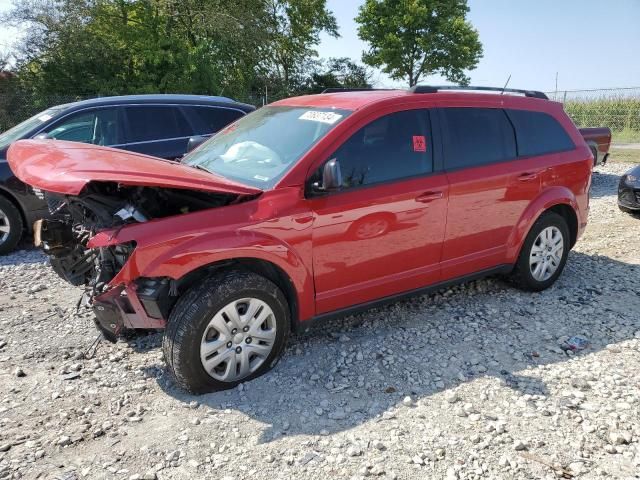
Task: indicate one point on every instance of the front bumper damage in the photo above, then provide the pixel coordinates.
(143, 304)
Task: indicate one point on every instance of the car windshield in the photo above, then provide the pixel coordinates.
(20, 130)
(260, 148)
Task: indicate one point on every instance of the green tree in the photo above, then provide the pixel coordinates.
(411, 39)
(294, 30)
(336, 73)
(227, 47)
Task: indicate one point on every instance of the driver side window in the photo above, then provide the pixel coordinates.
(98, 127)
(392, 147)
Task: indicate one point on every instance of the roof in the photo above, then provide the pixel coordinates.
(159, 98)
(348, 100)
(358, 99)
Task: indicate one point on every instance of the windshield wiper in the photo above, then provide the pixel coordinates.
(199, 167)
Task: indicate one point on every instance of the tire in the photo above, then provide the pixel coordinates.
(11, 226)
(190, 327)
(523, 275)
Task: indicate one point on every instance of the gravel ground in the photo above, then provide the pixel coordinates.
(473, 382)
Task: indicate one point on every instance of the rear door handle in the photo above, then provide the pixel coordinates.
(529, 176)
(427, 197)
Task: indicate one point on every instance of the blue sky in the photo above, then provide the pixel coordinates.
(590, 43)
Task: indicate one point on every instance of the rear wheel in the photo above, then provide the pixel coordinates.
(229, 329)
(544, 253)
(10, 226)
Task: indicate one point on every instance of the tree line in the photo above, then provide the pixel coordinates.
(245, 49)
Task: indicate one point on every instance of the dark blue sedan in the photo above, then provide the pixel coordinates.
(157, 125)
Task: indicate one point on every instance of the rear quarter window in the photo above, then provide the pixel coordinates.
(538, 133)
(208, 120)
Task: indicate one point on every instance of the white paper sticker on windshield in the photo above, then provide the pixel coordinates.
(44, 118)
(323, 117)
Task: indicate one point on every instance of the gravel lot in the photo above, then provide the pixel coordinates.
(474, 382)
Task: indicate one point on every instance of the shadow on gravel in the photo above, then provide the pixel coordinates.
(25, 254)
(604, 184)
(358, 369)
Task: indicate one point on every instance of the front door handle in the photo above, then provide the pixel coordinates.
(427, 197)
(529, 176)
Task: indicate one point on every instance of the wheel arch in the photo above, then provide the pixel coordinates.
(570, 216)
(265, 268)
(557, 199)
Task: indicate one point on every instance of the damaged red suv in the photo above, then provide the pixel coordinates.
(309, 208)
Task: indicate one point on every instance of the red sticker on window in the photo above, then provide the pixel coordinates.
(419, 143)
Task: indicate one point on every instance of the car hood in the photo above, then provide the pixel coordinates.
(67, 167)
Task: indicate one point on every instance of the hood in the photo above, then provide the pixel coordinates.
(67, 167)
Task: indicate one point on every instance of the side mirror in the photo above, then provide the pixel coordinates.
(331, 178)
(42, 136)
(195, 142)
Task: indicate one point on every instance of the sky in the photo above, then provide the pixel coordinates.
(588, 43)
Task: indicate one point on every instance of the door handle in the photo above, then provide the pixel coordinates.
(427, 197)
(529, 176)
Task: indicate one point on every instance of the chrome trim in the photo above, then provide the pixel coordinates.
(118, 105)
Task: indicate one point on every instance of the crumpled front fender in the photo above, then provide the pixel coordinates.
(181, 255)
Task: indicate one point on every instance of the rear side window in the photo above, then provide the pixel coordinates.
(151, 122)
(477, 136)
(539, 133)
(392, 147)
(208, 120)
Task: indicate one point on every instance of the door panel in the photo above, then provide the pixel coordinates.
(489, 188)
(157, 130)
(382, 234)
(378, 241)
(485, 204)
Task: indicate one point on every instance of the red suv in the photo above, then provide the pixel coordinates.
(308, 208)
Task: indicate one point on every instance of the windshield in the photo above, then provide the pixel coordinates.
(260, 148)
(20, 130)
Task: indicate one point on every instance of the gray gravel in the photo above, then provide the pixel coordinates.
(475, 382)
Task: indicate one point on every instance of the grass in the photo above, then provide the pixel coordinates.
(620, 114)
(626, 155)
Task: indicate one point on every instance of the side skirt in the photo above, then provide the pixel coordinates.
(307, 325)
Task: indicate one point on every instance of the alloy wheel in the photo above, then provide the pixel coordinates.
(238, 339)
(546, 253)
(5, 227)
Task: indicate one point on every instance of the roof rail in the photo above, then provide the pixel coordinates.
(435, 89)
(340, 90)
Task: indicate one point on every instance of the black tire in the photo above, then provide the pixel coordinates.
(192, 313)
(594, 153)
(522, 276)
(14, 220)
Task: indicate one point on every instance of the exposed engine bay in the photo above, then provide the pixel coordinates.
(75, 219)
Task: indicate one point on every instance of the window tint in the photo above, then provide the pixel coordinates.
(99, 127)
(392, 147)
(477, 136)
(208, 120)
(155, 123)
(539, 133)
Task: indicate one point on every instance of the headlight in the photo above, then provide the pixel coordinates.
(631, 180)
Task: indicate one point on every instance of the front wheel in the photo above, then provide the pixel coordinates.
(226, 330)
(10, 226)
(544, 253)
